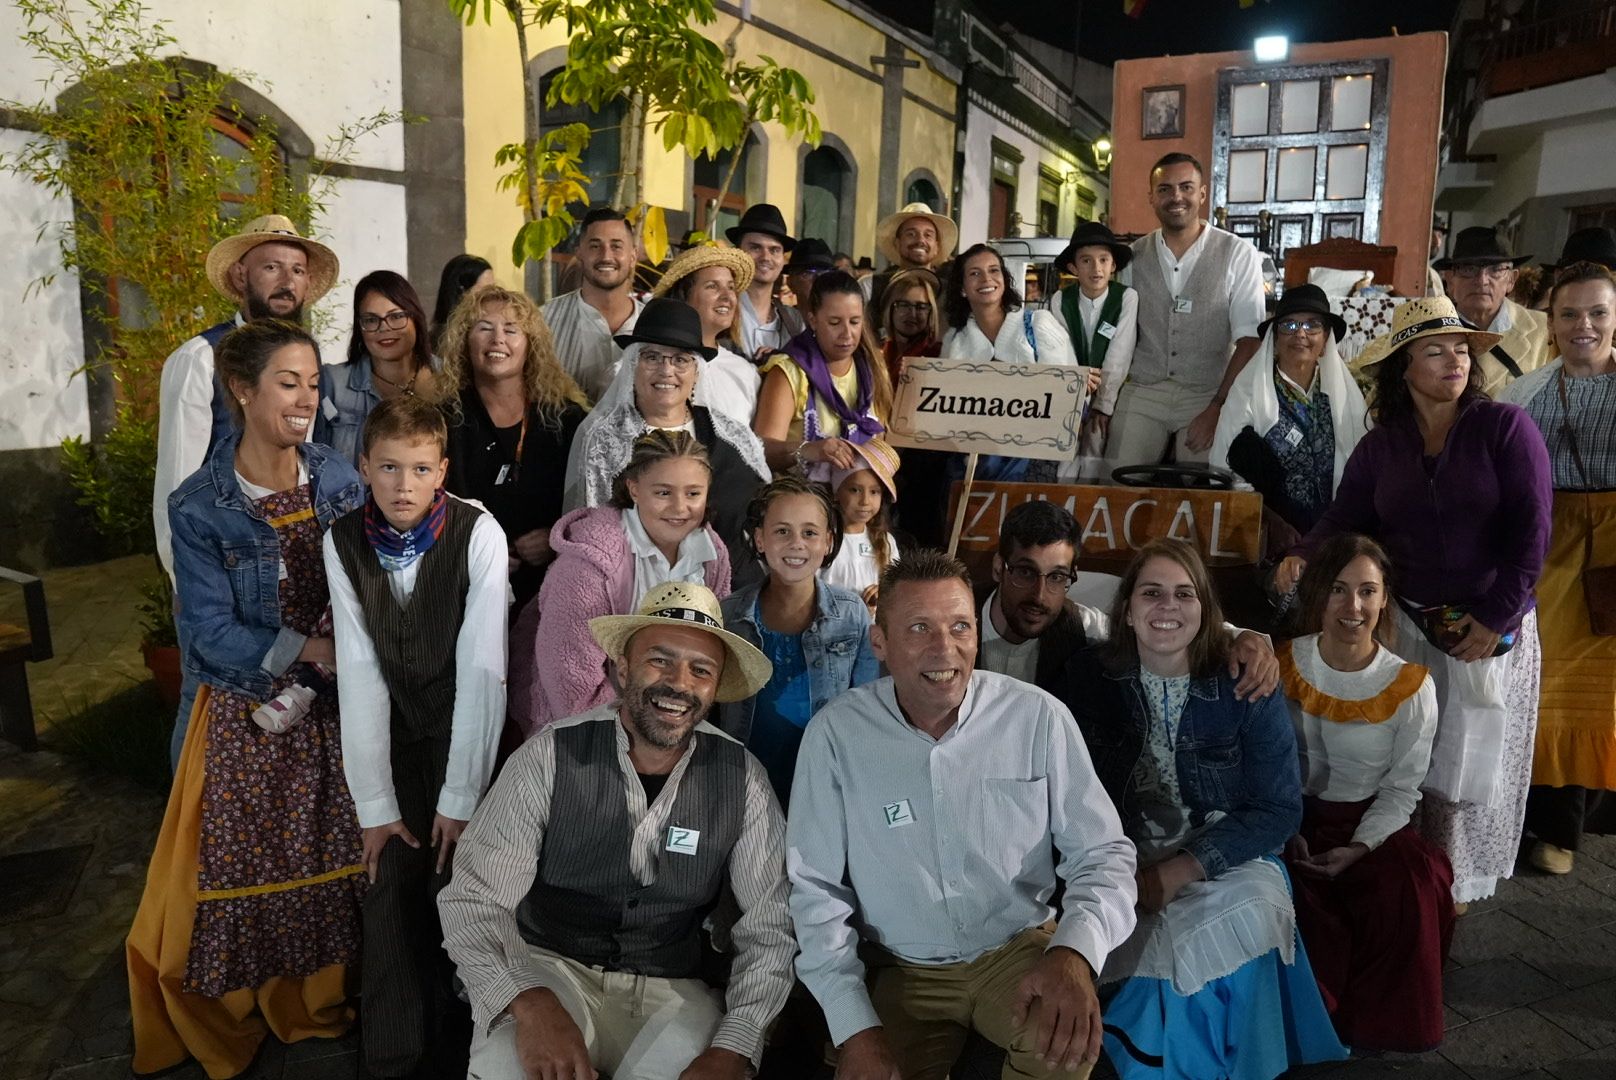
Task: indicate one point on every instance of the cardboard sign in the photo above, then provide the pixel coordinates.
(1018, 410)
(1226, 526)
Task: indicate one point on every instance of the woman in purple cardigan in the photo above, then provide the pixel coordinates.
(1457, 488)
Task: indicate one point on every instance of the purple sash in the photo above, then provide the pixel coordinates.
(857, 427)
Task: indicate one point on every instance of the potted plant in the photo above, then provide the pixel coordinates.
(158, 644)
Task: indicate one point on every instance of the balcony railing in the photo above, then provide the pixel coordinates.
(1569, 46)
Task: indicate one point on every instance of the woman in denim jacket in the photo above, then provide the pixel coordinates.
(251, 908)
(816, 635)
(1214, 981)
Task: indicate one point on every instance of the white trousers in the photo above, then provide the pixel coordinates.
(636, 1027)
(1147, 416)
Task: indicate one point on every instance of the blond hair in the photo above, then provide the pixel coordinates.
(546, 385)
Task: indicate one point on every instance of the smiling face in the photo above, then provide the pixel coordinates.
(1093, 267)
(795, 538)
(1176, 194)
(1439, 367)
(273, 280)
(497, 345)
(768, 256)
(712, 293)
(1029, 604)
(280, 407)
(404, 476)
(984, 280)
(1583, 320)
(606, 254)
(917, 242)
(838, 324)
(1303, 345)
(385, 343)
(669, 677)
(925, 633)
(1164, 611)
(664, 379)
(1355, 603)
(671, 499)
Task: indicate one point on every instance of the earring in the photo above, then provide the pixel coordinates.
(243, 401)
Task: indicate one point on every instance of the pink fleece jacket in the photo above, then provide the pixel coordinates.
(557, 670)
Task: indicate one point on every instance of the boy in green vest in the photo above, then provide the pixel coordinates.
(1102, 318)
(418, 585)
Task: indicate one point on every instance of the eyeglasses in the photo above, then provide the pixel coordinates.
(1027, 577)
(1297, 326)
(394, 320)
(679, 362)
(913, 307)
(1491, 273)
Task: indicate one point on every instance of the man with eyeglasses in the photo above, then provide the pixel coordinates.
(583, 322)
(1478, 277)
(1029, 628)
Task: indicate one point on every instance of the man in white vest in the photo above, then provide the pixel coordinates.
(1200, 300)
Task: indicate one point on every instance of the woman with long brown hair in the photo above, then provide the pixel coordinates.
(389, 356)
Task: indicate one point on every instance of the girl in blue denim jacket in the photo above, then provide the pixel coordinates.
(816, 635)
(1214, 981)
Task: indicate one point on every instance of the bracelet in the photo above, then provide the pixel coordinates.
(802, 464)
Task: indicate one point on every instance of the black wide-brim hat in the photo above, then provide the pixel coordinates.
(1479, 246)
(1305, 300)
(668, 322)
(810, 254)
(762, 218)
(1094, 234)
(1595, 245)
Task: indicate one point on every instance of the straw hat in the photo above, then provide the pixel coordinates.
(271, 229)
(878, 457)
(680, 603)
(702, 256)
(886, 233)
(1424, 317)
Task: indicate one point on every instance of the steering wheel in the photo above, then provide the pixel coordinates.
(1190, 475)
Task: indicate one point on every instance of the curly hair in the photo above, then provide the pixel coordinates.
(547, 386)
(1209, 649)
(653, 448)
(1313, 593)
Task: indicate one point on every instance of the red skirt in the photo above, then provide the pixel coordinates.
(1377, 935)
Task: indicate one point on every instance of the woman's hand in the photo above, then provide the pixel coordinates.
(533, 547)
(1288, 573)
(1332, 863)
(319, 650)
(838, 453)
(1478, 642)
(1296, 849)
(1159, 883)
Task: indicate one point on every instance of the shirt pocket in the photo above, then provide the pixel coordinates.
(1014, 823)
(1219, 774)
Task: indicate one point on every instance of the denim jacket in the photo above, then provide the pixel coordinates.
(347, 394)
(836, 646)
(1238, 757)
(227, 562)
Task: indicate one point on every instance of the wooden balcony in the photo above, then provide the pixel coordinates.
(1569, 46)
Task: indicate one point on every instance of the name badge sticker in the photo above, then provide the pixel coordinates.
(1183, 305)
(329, 408)
(504, 472)
(898, 813)
(683, 841)
(1107, 331)
(1293, 437)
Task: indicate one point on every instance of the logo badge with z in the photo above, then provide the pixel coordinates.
(898, 813)
(683, 841)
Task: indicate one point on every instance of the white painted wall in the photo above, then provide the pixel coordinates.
(323, 64)
(981, 129)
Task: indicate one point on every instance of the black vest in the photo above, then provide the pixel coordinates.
(416, 643)
(585, 902)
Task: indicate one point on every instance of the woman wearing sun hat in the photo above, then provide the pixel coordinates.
(711, 279)
(1457, 488)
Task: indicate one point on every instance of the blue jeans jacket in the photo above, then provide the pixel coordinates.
(347, 394)
(227, 569)
(1238, 757)
(836, 646)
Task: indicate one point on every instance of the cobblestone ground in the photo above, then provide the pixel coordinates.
(1531, 989)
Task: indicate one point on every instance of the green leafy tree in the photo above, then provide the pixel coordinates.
(678, 84)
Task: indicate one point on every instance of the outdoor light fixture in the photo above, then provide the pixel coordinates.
(1271, 49)
(1102, 153)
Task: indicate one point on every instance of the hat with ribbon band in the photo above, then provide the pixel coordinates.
(1423, 317)
(681, 603)
(271, 229)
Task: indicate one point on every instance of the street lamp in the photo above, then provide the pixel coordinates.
(1271, 49)
(1102, 153)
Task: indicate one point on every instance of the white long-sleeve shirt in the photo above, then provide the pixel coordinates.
(1119, 353)
(184, 429)
(942, 850)
(479, 702)
(1362, 734)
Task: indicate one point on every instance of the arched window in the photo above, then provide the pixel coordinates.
(922, 190)
(824, 188)
(602, 158)
(233, 142)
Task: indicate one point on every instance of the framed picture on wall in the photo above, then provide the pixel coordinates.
(1162, 112)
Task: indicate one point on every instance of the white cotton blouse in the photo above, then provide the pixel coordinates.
(1361, 734)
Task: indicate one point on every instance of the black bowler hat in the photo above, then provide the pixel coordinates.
(672, 323)
(762, 218)
(1479, 246)
(1593, 245)
(1306, 300)
(1094, 234)
(810, 254)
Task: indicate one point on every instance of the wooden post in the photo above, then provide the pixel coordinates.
(964, 501)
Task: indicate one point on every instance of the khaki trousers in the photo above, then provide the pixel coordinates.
(1147, 416)
(927, 1010)
(636, 1027)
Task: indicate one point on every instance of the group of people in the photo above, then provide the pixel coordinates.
(586, 679)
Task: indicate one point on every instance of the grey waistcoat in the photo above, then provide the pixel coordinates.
(1190, 349)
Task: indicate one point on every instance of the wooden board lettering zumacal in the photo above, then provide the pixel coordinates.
(1225, 525)
(1017, 410)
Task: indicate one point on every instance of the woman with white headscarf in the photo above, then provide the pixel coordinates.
(658, 386)
(1293, 415)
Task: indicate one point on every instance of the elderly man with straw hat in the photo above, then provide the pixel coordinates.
(581, 885)
(269, 271)
(711, 279)
(914, 238)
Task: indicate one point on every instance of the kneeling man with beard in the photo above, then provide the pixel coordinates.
(583, 880)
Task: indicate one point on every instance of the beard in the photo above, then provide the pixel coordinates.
(648, 725)
(1026, 623)
(258, 306)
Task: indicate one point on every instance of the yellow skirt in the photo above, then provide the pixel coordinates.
(224, 1033)
(1576, 731)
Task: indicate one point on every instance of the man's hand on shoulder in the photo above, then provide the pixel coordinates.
(714, 1063)
(1253, 663)
(866, 1056)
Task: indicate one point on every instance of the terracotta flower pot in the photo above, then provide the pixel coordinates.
(163, 661)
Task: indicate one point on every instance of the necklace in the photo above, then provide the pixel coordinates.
(407, 388)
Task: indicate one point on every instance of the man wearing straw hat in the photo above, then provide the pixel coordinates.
(914, 238)
(583, 880)
(270, 272)
(1478, 277)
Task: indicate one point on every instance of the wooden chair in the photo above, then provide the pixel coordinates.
(20, 646)
(1340, 253)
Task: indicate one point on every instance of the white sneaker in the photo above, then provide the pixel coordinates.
(285, 711)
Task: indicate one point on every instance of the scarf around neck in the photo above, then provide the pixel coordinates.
(396, 550)
(857, 426)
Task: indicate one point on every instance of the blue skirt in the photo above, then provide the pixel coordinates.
(1253, 1024)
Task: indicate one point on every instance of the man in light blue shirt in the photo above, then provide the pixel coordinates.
(928, 812)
